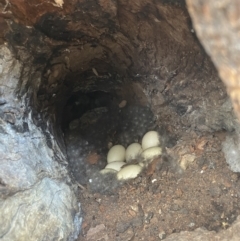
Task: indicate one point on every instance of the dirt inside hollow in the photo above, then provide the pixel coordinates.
(161, 202)
(163, 199)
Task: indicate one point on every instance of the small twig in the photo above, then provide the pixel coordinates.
(81, 186)
(5, 7)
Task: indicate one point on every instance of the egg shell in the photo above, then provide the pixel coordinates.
(150, 139)
(129, 172)
(116, 153)
(107, 170)
(133, 151)
(141, 164)
(151, 152)
(115, 165)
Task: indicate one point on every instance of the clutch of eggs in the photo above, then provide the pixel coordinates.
(117, 156)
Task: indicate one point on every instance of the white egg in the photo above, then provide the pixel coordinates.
(151, 152)
(116, 153)
(115, 165)
(107, 170)
(150, 139)
(133, 151)
(141, 164)
(129, 172)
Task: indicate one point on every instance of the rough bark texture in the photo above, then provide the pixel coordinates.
(218, 28)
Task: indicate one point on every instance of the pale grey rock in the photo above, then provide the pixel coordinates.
(231, 149)
(39, 213)
(37, 197)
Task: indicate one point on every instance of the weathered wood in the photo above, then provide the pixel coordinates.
(217, 24)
